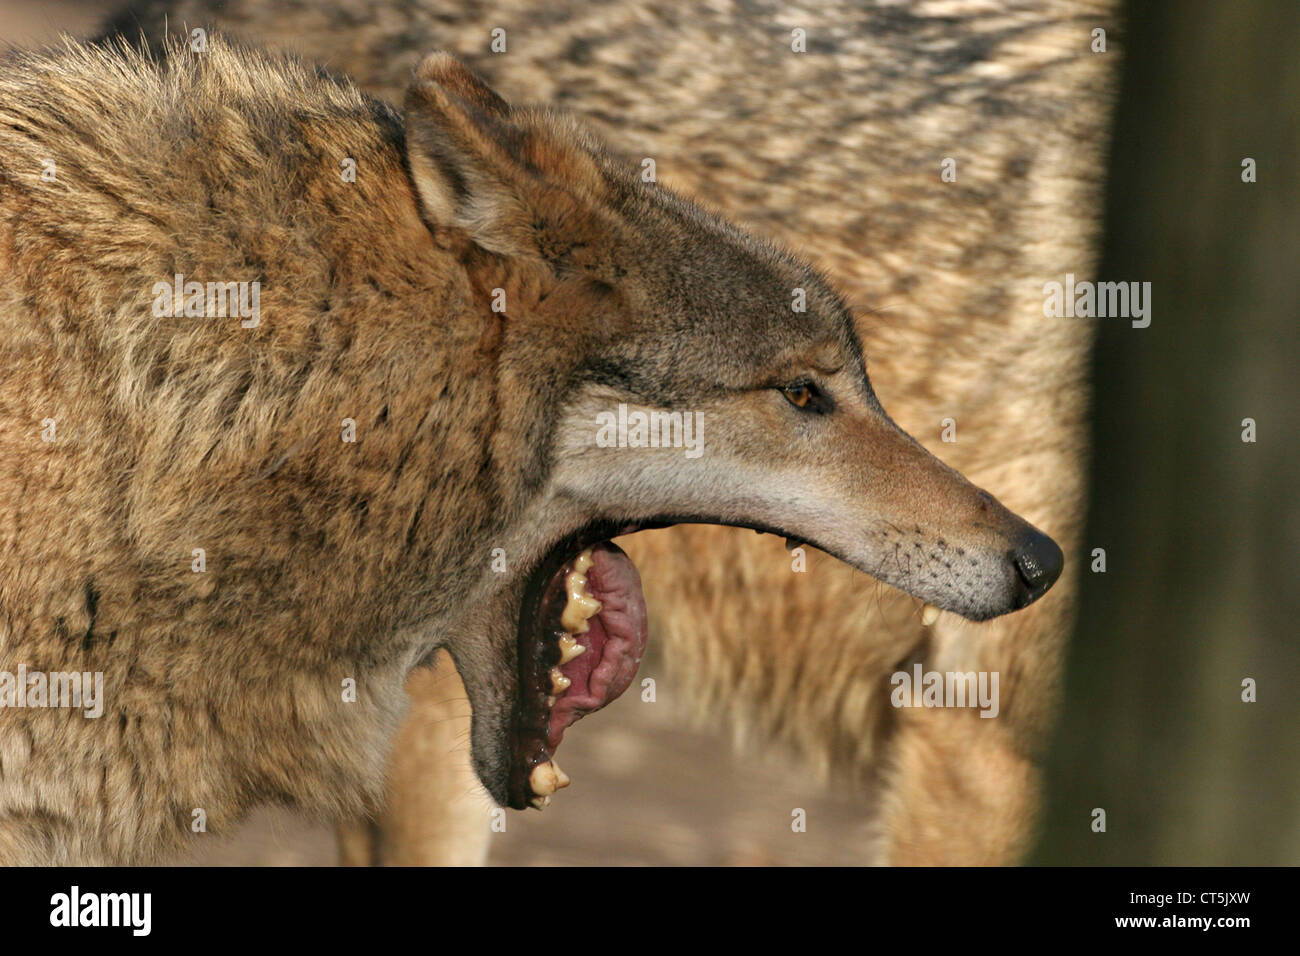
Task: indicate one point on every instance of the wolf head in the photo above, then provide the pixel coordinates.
(693, 373)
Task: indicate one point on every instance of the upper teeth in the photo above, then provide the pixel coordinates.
(929, 614)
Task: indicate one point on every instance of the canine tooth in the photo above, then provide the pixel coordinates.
(559, 683)
(544, 780)
(570, 648)
(929, 614)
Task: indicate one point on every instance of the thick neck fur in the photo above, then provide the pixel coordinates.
(367, 315)
(325, 561)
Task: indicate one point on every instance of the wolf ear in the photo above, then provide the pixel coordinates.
(478, 164)
(459, 149)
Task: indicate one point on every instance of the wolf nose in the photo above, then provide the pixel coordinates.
(1038, 562)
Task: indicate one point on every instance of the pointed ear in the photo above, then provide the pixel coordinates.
(460, 143)
(487, 168)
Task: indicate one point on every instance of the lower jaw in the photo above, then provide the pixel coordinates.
(533, 776)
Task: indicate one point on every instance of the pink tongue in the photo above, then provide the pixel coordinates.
(615, 643)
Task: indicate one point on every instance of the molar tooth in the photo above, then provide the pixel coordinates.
(570, 648)
(579, 606)
(540, 803)
(561, 778)
(544, 779)
(577, 612)
(929, 614)
(550, 702)
(559, 683)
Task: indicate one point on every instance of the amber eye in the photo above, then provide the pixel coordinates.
(807, 397)
(800, 396)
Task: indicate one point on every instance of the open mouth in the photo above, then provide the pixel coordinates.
(581, 637)
(582, 634)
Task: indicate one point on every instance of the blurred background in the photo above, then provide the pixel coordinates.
(1200, 529)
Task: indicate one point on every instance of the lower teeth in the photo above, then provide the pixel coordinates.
(545, 779)
(580, 607)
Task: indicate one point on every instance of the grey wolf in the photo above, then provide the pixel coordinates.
(837, 152)
(256, 530)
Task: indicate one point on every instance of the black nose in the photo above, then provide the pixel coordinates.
(1038, 562)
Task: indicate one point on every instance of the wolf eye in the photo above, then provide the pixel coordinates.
(798, 395)
(806, 396)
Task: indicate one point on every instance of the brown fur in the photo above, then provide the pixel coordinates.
(332, 560)
(837, 152)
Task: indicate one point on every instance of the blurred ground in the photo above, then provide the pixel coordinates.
(647, 789)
